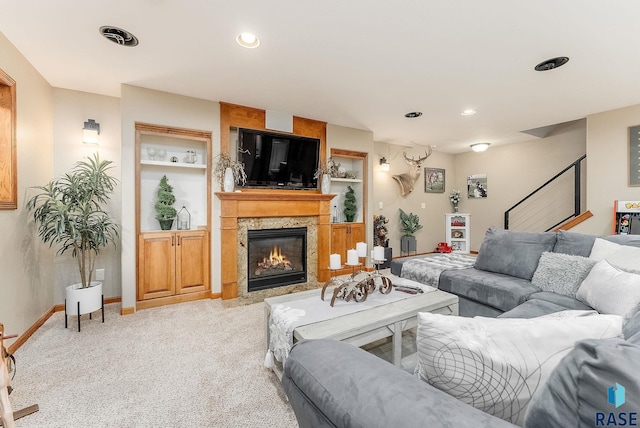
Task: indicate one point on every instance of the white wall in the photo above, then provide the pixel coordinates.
(26, 265)
(161, 108)
(607, 163)
(71, 110)
(386, 190)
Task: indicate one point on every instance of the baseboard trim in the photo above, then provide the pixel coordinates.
(215, 296)
(55, 308)
(128, 311)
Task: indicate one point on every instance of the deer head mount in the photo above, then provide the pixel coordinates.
(408, 179)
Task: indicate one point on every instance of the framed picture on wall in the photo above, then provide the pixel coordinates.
(433, 180)
(477, 186)
(634, 156)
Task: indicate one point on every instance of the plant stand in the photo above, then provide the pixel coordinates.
(91, 298)
(407, 245)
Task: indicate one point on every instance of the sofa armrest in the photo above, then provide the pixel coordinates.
(334, 384)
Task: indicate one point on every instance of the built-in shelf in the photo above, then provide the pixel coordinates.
(173, 164)
(346, 180)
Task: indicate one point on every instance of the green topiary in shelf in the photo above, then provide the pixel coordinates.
(350, 207)
(165, 212)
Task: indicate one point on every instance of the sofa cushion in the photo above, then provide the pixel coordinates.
(497, 364)
(630, 240)
(499, 291)
(561, 273)
(558, 299)
(576, 244)
(533, 308)
(610, 290)
(576, 392)
(631, 327)
(513, 253)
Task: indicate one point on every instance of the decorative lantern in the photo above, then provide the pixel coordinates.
(184, 219)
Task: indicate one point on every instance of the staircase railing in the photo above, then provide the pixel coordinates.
(554, 202)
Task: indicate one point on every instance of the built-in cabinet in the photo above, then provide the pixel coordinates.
(352, 171)
(173, 265)
(457, 232)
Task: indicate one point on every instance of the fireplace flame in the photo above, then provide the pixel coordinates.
(276, 261)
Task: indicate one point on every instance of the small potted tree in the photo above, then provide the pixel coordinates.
(409, 224)
(350, 208)
(70, 213)
(165, 212)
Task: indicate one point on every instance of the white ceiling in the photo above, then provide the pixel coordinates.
(357, 63)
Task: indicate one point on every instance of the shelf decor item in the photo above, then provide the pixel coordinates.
(228, 180)
(324, 173)
(184, 219)
(165, 212)
(70, 212)
(350, 207)
(454, 197)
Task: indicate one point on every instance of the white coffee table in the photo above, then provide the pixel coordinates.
(369, 325)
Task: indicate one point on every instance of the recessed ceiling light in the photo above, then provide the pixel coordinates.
(480, 147)
(248, 40)
(413, 114)
(552, 63)
(468, 112)
(118, 36)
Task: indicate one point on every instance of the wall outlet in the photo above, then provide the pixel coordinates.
(99, 274)
(380, 205)
(423, 205)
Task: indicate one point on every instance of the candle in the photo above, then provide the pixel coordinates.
(352, 257)
(361, 248)
(334, 261)
(378, 253)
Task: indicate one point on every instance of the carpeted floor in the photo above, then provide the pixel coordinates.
(193, 364)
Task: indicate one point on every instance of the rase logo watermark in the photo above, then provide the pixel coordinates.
(616, 398)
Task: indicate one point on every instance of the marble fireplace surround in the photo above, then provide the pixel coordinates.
(241, 211)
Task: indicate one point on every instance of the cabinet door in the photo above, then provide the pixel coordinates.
(356, 234)
(156, 265)
(192, 261)
(339, 241)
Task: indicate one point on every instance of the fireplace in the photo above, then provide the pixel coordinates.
(276, 257)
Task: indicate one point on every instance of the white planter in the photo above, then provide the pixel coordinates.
(229, 182)
(325, 184)
(90, 298)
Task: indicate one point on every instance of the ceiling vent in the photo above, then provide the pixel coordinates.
(119, 36)
(413, 114)
(552, 63)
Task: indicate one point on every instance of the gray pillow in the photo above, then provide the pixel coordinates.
(561, 273)
(576, 244)
(513, 253)
(578, 388)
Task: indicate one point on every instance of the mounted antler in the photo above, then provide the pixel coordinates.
(408, 179)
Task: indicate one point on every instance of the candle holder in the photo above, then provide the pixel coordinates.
(385, 283)
(334, 280)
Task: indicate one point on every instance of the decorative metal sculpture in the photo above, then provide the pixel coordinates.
(358, 285)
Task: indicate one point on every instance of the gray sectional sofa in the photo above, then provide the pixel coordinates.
(332, 384)
(501, 277)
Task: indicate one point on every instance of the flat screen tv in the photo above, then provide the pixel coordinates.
(281, 161)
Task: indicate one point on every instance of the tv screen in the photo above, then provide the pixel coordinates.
(281, 161)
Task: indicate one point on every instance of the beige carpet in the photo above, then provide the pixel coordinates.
(194, 364)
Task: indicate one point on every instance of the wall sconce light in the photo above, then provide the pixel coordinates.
(384, 165)
(90, 132)
(480, 147)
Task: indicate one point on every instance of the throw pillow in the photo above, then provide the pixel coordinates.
(513, 253)
(561, 273)
(496, 365)
(602, 249)
(610, 290)
(578, 388)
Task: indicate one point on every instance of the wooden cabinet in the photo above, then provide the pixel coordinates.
(172, 263)
(457, 232)
(344, 236)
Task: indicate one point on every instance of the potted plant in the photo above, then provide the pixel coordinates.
(165, 212)
(70, 213)
(229, 172)
(350, 207)
(324, 172)
(454, 197)
(409, 224)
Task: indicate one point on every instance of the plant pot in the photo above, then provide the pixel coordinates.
(166, 224)
(408, 244)
(90, 298)
(349, 218)
(229, 182)
(325, 184)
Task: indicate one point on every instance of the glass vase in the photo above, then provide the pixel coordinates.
(228, 183)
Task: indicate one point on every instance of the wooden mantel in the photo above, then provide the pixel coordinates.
(265, 203)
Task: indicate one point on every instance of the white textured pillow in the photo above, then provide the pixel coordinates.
(561, 273)
(610, 290)
(497, 364)
(625, 258)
